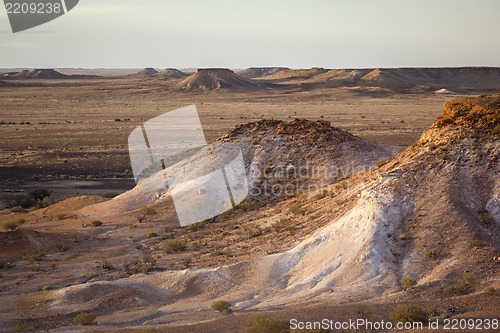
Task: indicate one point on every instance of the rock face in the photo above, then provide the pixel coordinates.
(215, 79)
(482, 113)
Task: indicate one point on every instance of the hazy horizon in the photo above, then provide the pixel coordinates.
(197, 34)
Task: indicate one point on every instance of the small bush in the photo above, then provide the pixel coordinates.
(20, 327)
(96, 223)
(17, 209)
(174, 245)
(490, 290)
(152, 234)
(477, 243)
(39, 194)
(284, 225)
(196, 226)
(265, 324)
(408, 283)
(485, 218)
(222, 306)
(253, 230)
(62, 247)
(13, 224)
(405, 313)
(464, 286)
(496, 130)
(431, 254)
(84, 318)
(187, 262)
(107, 265)
(147, 210)
(297, 209)
(59, 216)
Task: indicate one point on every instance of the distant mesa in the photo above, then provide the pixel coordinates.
(255, 72)
(171, 73)
(36, 74)
(402, 80)
(143, 74)
(295, 74)
(215, 79)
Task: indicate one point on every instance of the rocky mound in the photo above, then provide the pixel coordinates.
(171, 73)
(144, 74)
(482, 113)
(39, 74)
(215, 79)
(255, 72)
(299, 155)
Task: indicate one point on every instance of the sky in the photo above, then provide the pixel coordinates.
(240, 34)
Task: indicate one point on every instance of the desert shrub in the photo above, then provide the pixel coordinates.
(496, 130)
(408, 283)
(84, 318)
(147, 210)
(380, 163)
(96, 223)
(45, 202)
(284, 225)
(17, 209)
(405, 313)
(13, 224)
(196, 226)
(265, 324)
(106, 265)
(431, 254)
(19, 327)
(148, 260)
(39, 194)
(21, 200)
(490, 290)
(464, 286)
(477, 243)
(485, 217)
(174, 245)
(253, 230)
(62, 247)
(38, 256)
(297, 209)
(187, 261)
(222, 306)
(218, 253)
(321, 194)
(59, 215)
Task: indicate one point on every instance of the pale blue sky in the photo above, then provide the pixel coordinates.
(239, 34)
